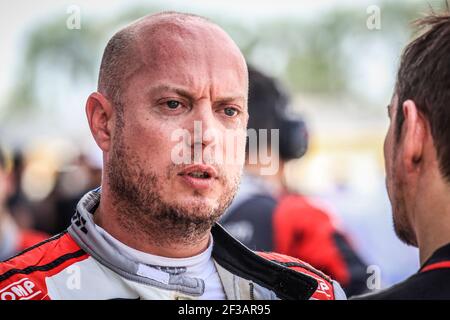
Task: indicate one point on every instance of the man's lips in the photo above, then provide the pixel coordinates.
(199, 176)
(194, 170)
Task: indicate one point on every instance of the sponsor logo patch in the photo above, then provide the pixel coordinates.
(23, 289)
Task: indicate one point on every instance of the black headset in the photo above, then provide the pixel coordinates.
(293, 132)
(269, 109)
(293, 137)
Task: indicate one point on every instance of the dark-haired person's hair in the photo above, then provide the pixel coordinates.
(424, 77)
(266, 101)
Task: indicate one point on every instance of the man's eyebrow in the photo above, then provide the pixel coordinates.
(185, 93)
(178, 90)
(230, 98)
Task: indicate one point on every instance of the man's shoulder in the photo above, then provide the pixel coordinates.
(29, 238)
(23, 276)
(295, 203)
(420, 286)
(327, 288)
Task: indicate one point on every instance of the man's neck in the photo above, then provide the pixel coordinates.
(106, 216)
(432, 218)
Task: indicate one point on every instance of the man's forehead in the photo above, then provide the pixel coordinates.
(186, 51)
(162, 33)
(174, 48)
(164, 51)
(224, 95)
(166, 18)
(174, 28)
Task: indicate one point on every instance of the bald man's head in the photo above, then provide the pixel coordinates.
(164, 75)
(129, 50)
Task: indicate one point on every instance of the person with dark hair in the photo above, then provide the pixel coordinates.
(266, 215)
(417, 158)
(13, 239)
(150, 231)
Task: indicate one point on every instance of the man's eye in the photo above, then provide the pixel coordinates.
(230, 112)
(173, 104)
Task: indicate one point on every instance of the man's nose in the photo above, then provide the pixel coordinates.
(203, 126)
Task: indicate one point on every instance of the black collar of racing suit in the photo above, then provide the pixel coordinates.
(238, 259)
(440, 255)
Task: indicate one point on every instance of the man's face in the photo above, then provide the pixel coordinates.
(198, 78)
(394, 180)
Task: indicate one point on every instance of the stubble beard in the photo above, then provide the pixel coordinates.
(402, 226)
(143, 212)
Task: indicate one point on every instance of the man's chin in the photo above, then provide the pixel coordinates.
(197, 205)
(404, 232)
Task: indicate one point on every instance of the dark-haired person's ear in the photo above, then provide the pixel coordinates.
(99, 112)
(414, 135)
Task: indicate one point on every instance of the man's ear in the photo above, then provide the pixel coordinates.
(414, 135)
(99, 112)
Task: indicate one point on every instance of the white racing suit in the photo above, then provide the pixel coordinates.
(80, 264)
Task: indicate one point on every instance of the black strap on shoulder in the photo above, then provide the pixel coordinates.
(241, 261)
